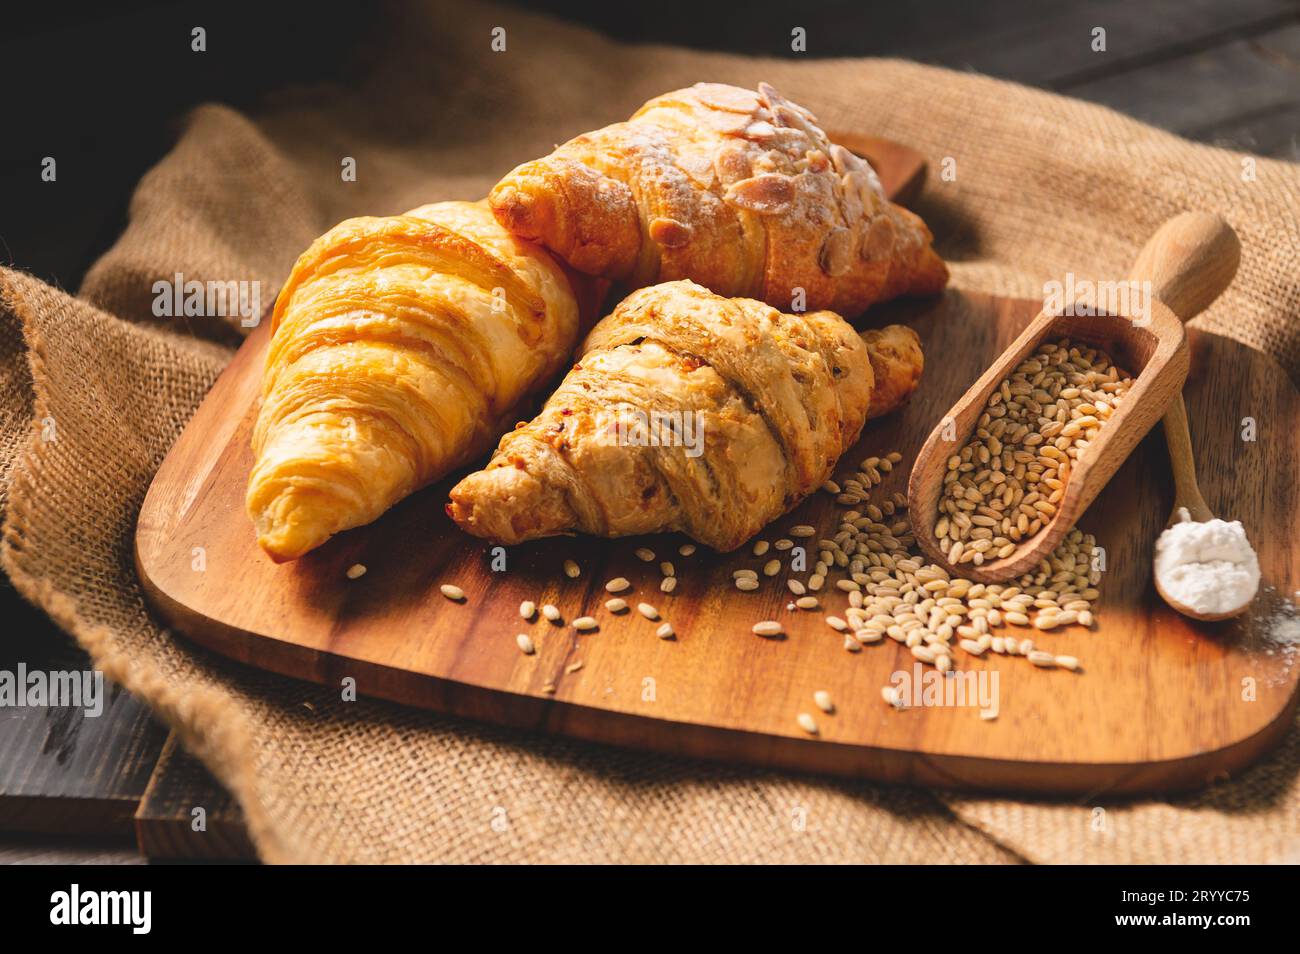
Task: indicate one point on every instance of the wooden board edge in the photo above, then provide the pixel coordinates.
(167, 838)
(716, 743)
(48, 815)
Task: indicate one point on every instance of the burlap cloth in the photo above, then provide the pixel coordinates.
(1043, 185)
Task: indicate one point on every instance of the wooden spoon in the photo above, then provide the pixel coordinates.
(1187, 494)
(1188, 262)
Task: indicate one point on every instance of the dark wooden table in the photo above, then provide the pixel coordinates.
(110, 789)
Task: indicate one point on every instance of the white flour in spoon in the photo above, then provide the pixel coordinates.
(1208, 567)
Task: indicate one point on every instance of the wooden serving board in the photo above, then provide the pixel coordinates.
(1161, 703)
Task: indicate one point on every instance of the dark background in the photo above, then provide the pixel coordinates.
(105, 90)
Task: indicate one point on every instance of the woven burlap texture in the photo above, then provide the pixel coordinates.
(1043, 185)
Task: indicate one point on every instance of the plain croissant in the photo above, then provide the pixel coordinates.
(687, 411)
(737, 190)
(400, 349)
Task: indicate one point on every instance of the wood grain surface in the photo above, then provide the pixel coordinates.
(167, 827)
(63, 768)
(1160, 703)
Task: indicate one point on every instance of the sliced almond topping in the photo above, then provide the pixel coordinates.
(669, 232)
(733, 162)
(843, 160)
(879, 240)
(733, 99)
(766, 194)
(836, 256)
(818, 161)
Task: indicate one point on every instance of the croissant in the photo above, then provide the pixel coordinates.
(737, 190)
(401, 347)
(687, 411)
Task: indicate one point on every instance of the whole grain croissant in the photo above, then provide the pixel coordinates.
(737, 190)
(687, 411)
(400, 348)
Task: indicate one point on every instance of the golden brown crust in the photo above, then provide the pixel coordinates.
(737, 190)
(686, 411)
(401, 347)
(897, 362)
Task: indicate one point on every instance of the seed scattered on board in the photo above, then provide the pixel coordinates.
(525, 644)
(891, 590)
(356, 571)
(452, 592)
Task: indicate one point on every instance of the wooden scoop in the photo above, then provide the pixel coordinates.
(1189, 261)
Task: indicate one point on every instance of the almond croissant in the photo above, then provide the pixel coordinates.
(687, 411)
(737, 190)
(400, 348)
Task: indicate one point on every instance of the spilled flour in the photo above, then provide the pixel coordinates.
(1279, 630)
